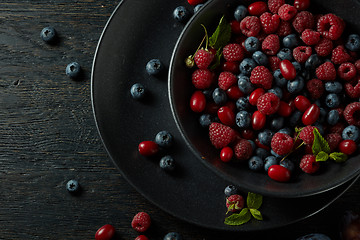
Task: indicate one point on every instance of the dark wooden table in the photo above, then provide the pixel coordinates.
(48, 136)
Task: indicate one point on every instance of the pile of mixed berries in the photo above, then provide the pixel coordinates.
(283, 73)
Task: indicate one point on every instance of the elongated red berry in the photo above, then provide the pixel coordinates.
(347, 146)
(148, 148)
(287, 69)
(301, 5)
(258, 120)
(279, 173)
(311, 115)
(285, 109)
(302, 103)
(226, 154)
(257, 8)
(226, 116)
(198, 101)
(106, 232)
(195, 2)
(254, 96)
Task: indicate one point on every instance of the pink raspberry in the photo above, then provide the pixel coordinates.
(235, 203)
(226, 80)
(221, 135)
(268, 103)
(271, 44)
(302, 53)
(333, 139)
(309, 164)
(307, 135)
(243, 150)
(310, 37)
(346, 71)
(203, 58)
(316, 88)
(287, 12)
(324, 47)
(303, 20)
(352, 113)
(262, 77)
(274, 5)
(282, 143)
(326, 72)
(233, 52)
(250, 26)
(340, 55)
(141, 222)
(202, 78)
(284, 29)
(330, 26)
(269, 22)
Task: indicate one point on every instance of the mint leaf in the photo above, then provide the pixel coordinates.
(221, 36)
(322, 156)
(256, 214)
(338, 157)
(254, 200)
(319, 144)
(238, 218)
(217, 59)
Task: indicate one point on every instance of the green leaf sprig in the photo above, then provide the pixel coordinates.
(253, 202)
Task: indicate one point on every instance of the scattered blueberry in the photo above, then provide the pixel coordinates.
(313, 62)
(245, 85)
(173, 236)
(323, 115)
(297, 66)
(287, 163)
(73, 70)
(181, 14)
(320, 127)
(164, 139)
(353, 42)
(48, 34)
(252, 44)
(260, 58)
(154, 66)
(280, 81)
(333, 117)
(277, 123)
(137, 91)
(240, 12)
(208, 94)
(198, 7)
(246, 66)
(295, 118)
(230, 190)
(277, 91)
(167, 163)
(256, 163)
(262, 153)
(332, 100)
(205, 120)
(314, 236)
(265, 137)
(242, 103)
(333, 87)
(269, 161)
(72, 186)
(285, 53)
(253, 145)
(291, 41)
(296, 85)
(243, 119)
(275, 154)
(351, 132)
(286, 131)
(219, 96)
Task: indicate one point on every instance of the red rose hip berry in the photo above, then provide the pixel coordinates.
(198, 101)
(311, 115)
(254, 96)
(287, 69)
(226, 154)
(148, 148)
(347, 147)
(226, 116)
(279, 173)
(141, 222)
(141, 237)
(106, 232)
(258, 120)
(302, 103)
(257, 8)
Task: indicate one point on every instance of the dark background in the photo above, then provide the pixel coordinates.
(48, 136)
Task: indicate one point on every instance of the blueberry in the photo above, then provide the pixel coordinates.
(72, 186)
(205, 120)
(208, 94)
(198, 7)
(181, 14)
(307, 74)
(277, 91)
(296, 85)
(262, 153)
(173, 236)
(287, 163)
(353, 42)
(269, 161)
(242, 103)
(167, 163)
(277, 123)
(265, 137)
(219, 96)
(137, 91)
(295, 118)
(48, 34)
(240, 12)
(154, 66)
(320, 127)
(332, 100)
(297, 66)
(164, 139)
(245, 85)
(247, 65)
(287, 131)
(275, 154)
(243, 119)
(333, 87)
(280, 81)
(231, 190)
(73, 70)
(314, 236)
(252, 44)
(333, 117)
(256, 163)
(260, 58)
(291, 41)
(313, 62)
(253, 145)
(351, 132)
(285, 53)
(322, 116)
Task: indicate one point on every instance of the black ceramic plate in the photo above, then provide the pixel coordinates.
(330, 175)
(136, 32)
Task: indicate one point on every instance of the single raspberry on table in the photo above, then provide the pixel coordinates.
(203, 58)
(303, 20)
(287, 12)
(282, 143)
(330, 26)
(274, 5)
(141, 222)
(243, 150)
(302, 53)
(269, 22)
(352, 113)
(262, 77)
(233, 52)
(326, 72)
(333, 139)
(340, 55)
(250, 26)
(310, 37)
(226, 80)
(202, 78)
(309, 164)
(324, 47)
(347, 71)
(235, 203)
(221, 135)
(271, 44)
(307, 135)
(268, 103)
(284, 29)
(316, 88)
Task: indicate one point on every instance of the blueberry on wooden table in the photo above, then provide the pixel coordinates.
(72, 186)
(181, 14)
(48, 34)
(73, 70)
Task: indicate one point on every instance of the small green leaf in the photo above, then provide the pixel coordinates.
(338, 157)
(254, 200)
(298, 130)
(238, 218)
(322, 156)
(217, 59)
(319, 144)
(256, 214)
(221, 36)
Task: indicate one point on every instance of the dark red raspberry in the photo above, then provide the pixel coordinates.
(282, 143)
(203, 58)
(250, 26)
(326, 72)
(269, 22)
(274, 62)
(309, 164)
(271, 44)
(274, 5)
(310, 37)
(141, 222)
(324, 47)
(316, 88)
(262, 77)
(221, 135)
(340, 55)
(346, 71)
(235, 27)
(352, 89)
(352, 113)
(357, 65)
(202, 78)
(303, 20)
(287, 12)
(333, 140)
(330, 26)
(226, 80)
(337, 128)
(233, 52)
(243, 150)
(268, 103)
(302, 53)
(307, 135)
(284, 29)
(235, 203)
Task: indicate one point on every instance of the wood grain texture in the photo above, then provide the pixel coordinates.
(48, 136)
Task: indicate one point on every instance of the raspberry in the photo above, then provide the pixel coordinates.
(274, 62)
(357, 65)
(352, 89)
(333, 140)
(324, 47)
(271, 44)
(287, 12)
(340, 55)
(203, 58)
(316, 88)
(235, 203)
(226, 80)
(250, 26)
(141, 222)
(310, 37)
(330, 26)
(337, 128)
(307, 135)
(202, 78)
(269, 23)
(284, 29)
(346, 71)
(309, 164)
(352, 113)
(261, 76)
(268, 103)
(221, 135)
(302, 53)
(326, 72)
(303, 20)
(281, 143)
(274, 5)
(243, 150)
(233, 52)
